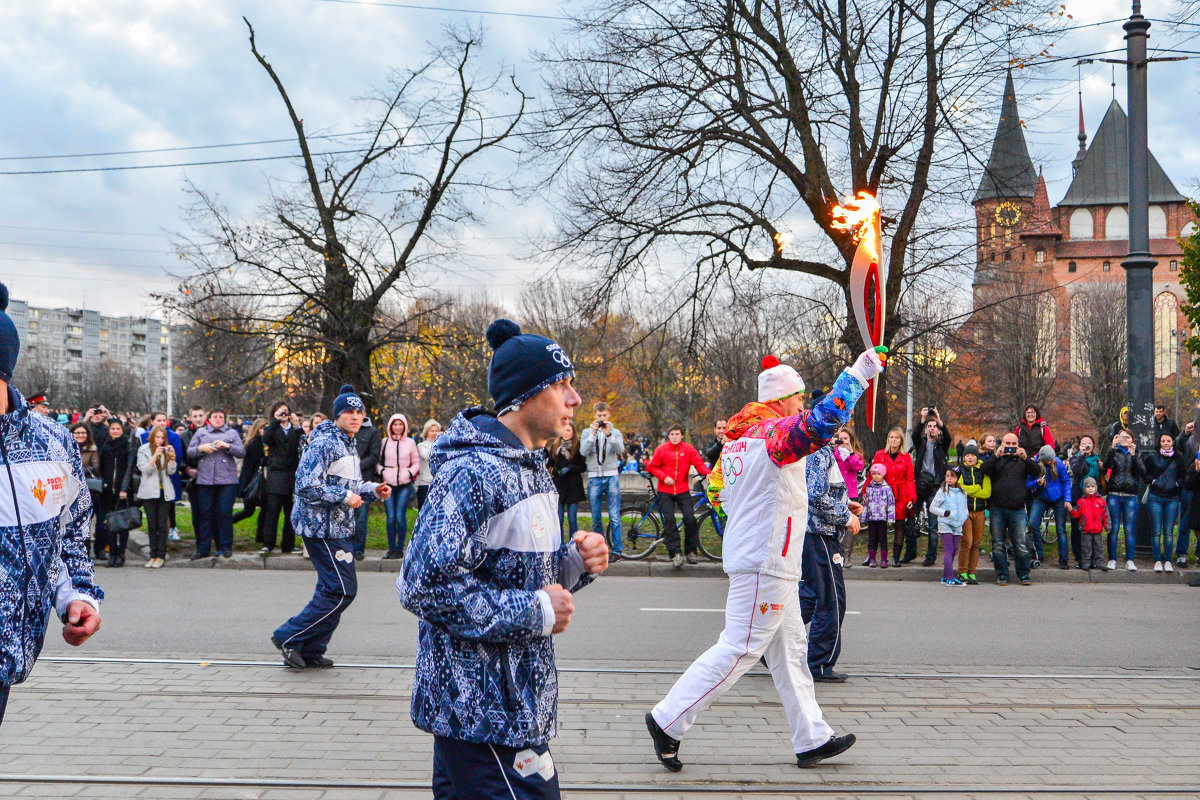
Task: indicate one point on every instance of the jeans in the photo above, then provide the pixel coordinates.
(1009, 523)
(360, 529)
(572, 512)
(1122, 509)
(1163, 511)
(1185, 523)
(214, 517)
(597, 488)
(1036, 514)
(396, 509)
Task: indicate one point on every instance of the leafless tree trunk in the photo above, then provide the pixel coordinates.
(328, 254)
(1098, 349)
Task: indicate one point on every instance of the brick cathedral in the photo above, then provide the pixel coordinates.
(1078, 243)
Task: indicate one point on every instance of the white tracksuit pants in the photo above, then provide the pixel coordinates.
(762, 617)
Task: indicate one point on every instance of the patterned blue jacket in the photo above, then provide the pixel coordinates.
(44, 512)
(828, 509)
(328, 473)
(486, 542)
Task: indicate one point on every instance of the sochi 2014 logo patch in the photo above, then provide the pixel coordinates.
(837, 559)
(39, 491)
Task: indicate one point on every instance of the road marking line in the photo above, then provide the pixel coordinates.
(707, 610)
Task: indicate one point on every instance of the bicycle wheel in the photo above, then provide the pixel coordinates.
(641, 531)
(711, 535)
(1048, 537)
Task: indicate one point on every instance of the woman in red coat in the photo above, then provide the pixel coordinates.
(900, 477)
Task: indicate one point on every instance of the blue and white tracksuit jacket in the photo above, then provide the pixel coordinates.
(486, 542)
(328, 473)
(45, 508)
(828, 507)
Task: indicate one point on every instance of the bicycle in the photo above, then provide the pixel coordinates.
(642, 526)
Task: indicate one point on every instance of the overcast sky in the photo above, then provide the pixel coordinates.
(98, 76)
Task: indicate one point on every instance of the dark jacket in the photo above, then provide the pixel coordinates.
(941, 459)
(115, 463)
(977, 486)
(567, 473)
(282, 457)
(1035, 436)
(712, 452)
(1009, 474)
(368, 441)
(1165, 474)
(1122, 472)
(1167, 426)
(250, 464)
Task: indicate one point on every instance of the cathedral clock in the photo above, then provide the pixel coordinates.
(1008, 214)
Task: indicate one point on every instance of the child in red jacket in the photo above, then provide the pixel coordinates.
(1093, 511)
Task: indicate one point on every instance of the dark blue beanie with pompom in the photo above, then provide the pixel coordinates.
(10, 345)
(523, 364)
(347, 400)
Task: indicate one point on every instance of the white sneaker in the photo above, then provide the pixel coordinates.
(1112, 564)
(1129, 565)
(1167, 567)
(1158, 566)
(173, 534)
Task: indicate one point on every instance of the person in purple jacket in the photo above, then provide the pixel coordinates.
(214, 448)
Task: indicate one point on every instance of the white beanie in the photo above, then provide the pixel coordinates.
(777, 381)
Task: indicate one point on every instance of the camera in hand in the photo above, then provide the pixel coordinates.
(1009, 451)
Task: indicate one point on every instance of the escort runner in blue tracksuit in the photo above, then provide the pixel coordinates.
(329, 486)
(488, 577)
(45, 508)
(822, 584)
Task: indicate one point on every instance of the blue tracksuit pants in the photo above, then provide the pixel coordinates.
(822, 601)
(467, 771)
(309, 631)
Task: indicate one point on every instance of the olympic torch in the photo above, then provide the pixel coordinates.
(859, 216)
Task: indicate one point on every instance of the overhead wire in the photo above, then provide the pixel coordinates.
(450, 9)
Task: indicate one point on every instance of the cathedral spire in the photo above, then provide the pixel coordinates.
(1082, 140)
(1009, 173)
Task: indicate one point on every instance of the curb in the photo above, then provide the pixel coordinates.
(912, 573)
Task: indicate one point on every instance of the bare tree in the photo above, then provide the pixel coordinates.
(1098, 349)
(725, 124)
(1011, 345)
(327, 254)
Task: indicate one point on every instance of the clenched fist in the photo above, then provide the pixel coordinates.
(560, 600)
(593, 549)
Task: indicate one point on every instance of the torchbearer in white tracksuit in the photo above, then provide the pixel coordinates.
(760, 483)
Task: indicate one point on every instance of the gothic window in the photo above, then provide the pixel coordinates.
(1158, 223)
(1107, 266)
(1078, 353)
(1081, 224)
(1039, 256)
(1046, 351)
(1071, 267)
(1166, 316)
(1116, 224)
(1188, 229)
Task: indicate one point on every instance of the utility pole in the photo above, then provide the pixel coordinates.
(1139, 265)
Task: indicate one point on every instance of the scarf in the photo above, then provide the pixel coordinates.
(1168, 453)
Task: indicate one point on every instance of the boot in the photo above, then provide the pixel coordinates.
(112, 557)
(122, 541)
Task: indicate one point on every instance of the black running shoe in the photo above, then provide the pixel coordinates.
(835, 746)
(291, 658)
(317, 662)
(666, 748)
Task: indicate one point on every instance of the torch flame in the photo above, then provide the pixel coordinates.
(858, 216)
(778, 237)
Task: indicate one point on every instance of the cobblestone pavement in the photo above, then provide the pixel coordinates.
(1134, 731)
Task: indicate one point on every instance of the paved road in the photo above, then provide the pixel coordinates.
(1133, 726)
(218, 613)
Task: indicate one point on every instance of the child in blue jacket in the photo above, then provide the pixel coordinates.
(949, 506)
(1051, 491)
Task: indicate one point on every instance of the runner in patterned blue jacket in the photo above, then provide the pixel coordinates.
(45, 508)
(486, 574)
